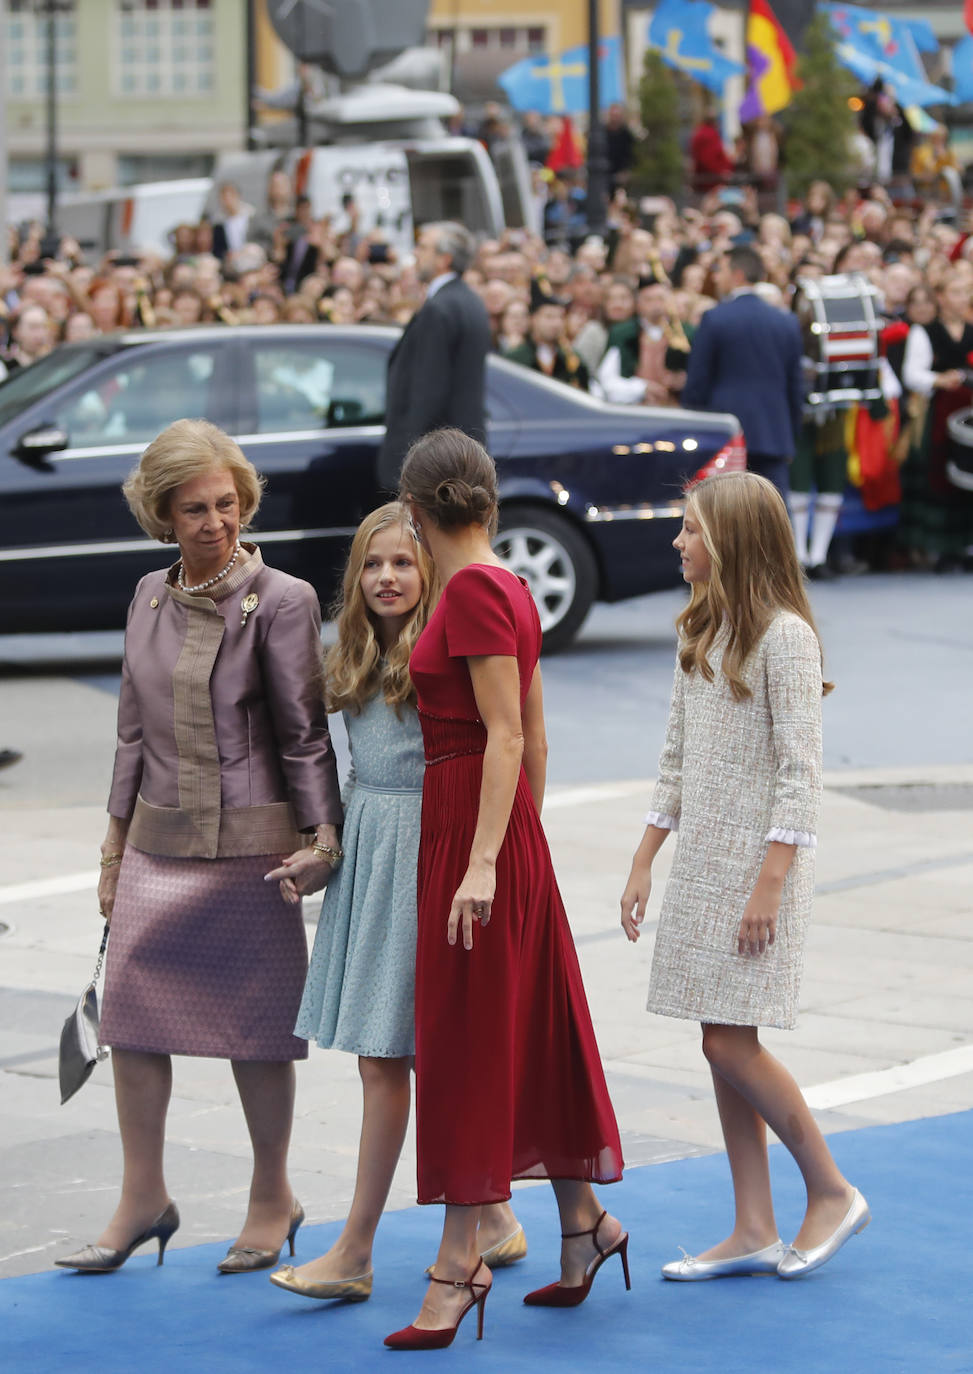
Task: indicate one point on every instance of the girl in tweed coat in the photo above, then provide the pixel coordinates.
(740, 778)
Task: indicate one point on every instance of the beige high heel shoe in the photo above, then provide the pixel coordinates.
(244, 1259)
(98, 1259)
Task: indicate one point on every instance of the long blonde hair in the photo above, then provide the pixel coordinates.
(354, 666)
(754, 573)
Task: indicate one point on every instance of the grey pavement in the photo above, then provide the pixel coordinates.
(886, 1032)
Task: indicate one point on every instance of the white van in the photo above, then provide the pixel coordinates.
(384, 145)
(132, 218)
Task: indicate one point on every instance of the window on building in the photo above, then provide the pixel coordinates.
(136, 168)
(504, 38)
(26, 49)
(26, 174)
(164, 48)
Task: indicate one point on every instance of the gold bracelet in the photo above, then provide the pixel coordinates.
(324, 851)
(110, 860)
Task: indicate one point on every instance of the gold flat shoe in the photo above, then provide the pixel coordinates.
(351, 1290)
(244, 1259)
(507, 1251)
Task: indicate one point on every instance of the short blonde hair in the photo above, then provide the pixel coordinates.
(184, 450)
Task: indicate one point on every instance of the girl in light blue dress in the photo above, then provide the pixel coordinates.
(360, 985)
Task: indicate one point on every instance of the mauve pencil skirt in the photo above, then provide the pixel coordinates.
(204, 958)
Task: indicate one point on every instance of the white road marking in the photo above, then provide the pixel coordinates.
(861, 1087)
(580, 796)
(48, 887)
(858, 1087)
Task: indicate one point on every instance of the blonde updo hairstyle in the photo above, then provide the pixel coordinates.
(452, 479)
(184, 450)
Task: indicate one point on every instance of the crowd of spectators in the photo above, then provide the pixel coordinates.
(614, 312)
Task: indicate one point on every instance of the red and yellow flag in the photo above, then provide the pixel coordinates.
(771, 60)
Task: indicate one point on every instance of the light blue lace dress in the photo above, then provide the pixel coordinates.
(360, 985)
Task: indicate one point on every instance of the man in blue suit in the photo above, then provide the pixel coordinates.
(746, 359)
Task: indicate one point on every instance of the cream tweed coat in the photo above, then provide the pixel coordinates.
(733, 775)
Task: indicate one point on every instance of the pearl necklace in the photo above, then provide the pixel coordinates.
(202, 586)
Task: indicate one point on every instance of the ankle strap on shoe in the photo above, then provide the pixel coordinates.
(463, 1283)
(592, 1232)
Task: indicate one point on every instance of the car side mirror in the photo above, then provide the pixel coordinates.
(37, 443)
(344, 413)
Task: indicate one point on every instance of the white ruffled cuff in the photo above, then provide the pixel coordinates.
(802, 838)
(662, 820)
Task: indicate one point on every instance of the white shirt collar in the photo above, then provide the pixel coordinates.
(739, 291)
(438, 282)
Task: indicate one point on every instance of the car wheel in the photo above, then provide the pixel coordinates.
(555, 562)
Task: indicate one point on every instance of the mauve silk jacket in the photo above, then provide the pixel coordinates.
(223, 744)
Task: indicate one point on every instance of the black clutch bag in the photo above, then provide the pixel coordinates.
(80, 1050)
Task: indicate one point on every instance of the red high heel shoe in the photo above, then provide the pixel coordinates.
(415, 1338)
(558, 1295)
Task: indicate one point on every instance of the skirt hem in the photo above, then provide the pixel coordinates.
(718, 1019)
(248, 1058)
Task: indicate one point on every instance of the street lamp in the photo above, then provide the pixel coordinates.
(597, 149)
(49, 9)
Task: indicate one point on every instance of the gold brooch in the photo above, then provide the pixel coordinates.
(154, 602)
(249, 603)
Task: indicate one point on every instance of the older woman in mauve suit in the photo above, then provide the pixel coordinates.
(224, 770)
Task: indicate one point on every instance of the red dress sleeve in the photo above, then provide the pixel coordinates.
(479, 614)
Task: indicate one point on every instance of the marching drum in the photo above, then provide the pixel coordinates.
(840, 325)
(959, 454)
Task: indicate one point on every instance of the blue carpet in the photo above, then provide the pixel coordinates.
(896, 1299)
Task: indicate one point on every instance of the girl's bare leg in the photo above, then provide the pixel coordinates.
(736, 1054)
(497, 1222)
(745, 1136)
(387, 1096)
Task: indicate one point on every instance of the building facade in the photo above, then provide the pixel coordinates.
(483, 37)
(146, 89)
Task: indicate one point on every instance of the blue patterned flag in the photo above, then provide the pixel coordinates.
(680, 31)
(906, 89)
(963, 69)
(559, 85)
(922, 34)
(877, 36)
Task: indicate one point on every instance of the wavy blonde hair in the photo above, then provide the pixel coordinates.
(354, 666)
(754, 573)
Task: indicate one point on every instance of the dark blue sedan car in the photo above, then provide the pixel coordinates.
(590, 492)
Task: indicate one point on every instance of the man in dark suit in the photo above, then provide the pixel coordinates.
(746, 359)
(437, 370)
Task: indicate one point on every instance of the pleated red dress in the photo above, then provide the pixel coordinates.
(509, 1082)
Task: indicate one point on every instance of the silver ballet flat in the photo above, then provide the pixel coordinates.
(691, 1270)
(796, 1263)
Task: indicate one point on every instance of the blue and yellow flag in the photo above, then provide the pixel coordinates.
(559, 85)
(680, 31)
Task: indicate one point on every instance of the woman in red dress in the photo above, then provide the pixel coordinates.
(509, 1083)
